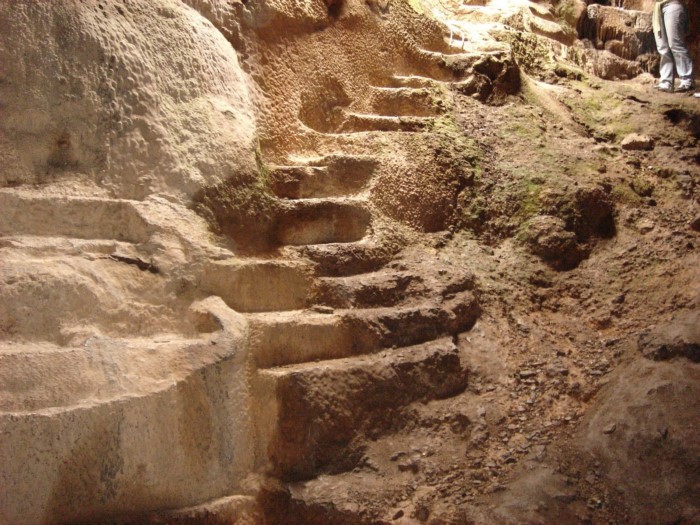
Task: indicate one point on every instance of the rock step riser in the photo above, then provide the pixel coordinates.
(320, 410)
(322, 222)
(294, 182)
(262, 286)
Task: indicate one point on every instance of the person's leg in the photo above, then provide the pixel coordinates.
(666, 67)
(676, 24)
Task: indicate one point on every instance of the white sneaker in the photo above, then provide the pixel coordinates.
(684, 87)
(697, 95)
(666, 87)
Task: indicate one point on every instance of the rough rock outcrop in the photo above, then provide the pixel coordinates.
(141, 98)
(625, 38)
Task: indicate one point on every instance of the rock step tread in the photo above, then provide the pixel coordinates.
(414, 82)
(238, 509)
(334, 160)
(283, 338)
(311, 412)
(331, 499)
(363, 122)
(405, 101)
(343, 259)
(459, 85)
(72, 216)
(42, 246)
(327, 176)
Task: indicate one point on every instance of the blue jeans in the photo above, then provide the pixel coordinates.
(671, 44)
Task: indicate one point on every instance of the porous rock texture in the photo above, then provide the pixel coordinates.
(113, 115)
(345, 262)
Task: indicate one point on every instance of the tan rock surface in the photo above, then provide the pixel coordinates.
(342, 262)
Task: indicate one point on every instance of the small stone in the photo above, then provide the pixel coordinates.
(525, 374)
(322, 309)
(619, 299)
(636, 142)
(610, 429)
(645, 225)
(399, 514)
(409, 466)
(396, 456)
(422, 513)
(642, 186)
(595, 503)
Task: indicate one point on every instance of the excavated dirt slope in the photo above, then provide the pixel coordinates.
(346, 262)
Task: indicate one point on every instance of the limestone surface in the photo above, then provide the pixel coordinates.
(345, 262)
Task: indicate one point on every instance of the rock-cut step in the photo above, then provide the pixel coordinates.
(74, 217)
(283, 338)
(392, 286)
(344, 259)
(382, 288)
(405, 101)
(420, 82)
(457, 62)
(329, 176)
(322, 221)
(259, 285)
(488, 63)
(361, 122)
(312, 414)
(414, 82)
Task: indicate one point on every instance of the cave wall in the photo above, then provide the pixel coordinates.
(138, 97)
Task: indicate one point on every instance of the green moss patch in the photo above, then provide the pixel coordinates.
(241, 208)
